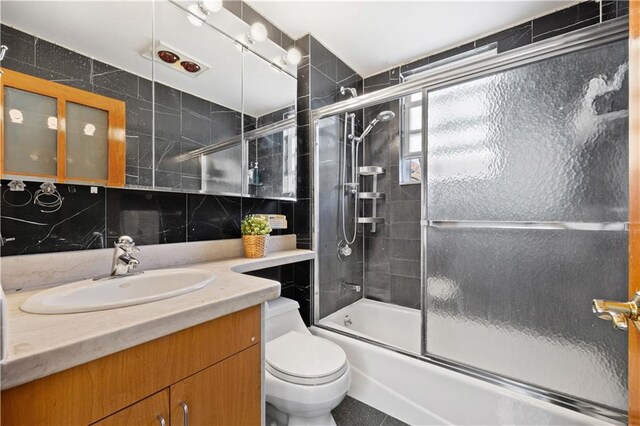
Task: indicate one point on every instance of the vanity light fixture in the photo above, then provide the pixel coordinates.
(210, 6)
(293, 57)
(201, 10)
(257, 32)
(196, 16)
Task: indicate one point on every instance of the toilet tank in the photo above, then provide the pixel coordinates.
(281, 316)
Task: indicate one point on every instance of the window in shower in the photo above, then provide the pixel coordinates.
(411, 139)
(527, 200)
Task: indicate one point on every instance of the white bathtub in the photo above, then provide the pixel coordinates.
(421, 393)
(380, 321)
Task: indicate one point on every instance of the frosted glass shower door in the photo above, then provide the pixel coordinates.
(527, 200)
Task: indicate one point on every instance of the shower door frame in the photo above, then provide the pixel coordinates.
(595, 35)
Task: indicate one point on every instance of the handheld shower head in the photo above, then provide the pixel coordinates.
(381, 117)
(385, 116)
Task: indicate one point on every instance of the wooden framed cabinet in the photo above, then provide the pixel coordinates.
(53, 131)
(209, 374)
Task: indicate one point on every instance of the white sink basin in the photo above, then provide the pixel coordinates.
(90, 295)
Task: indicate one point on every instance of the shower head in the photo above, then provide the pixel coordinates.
(385, 116)
(344, 90)
(382, 116)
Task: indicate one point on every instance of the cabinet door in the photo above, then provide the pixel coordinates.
(227, 393)
(151, 411)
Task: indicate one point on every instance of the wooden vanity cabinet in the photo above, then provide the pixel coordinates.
(214, 369)
(151, 411)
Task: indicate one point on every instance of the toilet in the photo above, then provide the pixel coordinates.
(305, 376)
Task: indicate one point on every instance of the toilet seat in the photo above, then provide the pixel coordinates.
(304, 359)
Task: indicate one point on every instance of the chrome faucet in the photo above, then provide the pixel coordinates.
(123, 260)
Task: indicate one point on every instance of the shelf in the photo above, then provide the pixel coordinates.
(371, 195)
(370, 170)
(371, 220)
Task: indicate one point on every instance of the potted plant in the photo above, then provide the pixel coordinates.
(255, 235)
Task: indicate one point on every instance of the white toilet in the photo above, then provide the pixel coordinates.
(306, 376)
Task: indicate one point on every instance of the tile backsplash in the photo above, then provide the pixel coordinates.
(94, 220)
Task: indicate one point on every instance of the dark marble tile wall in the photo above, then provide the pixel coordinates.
(392, 253)
(332, 271)
(320, 75)
(572, 18)
(293, 278)
(93, 221)
(183, 122)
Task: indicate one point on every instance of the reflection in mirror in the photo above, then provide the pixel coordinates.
(270, 131)
(198, 100)
(57, 52)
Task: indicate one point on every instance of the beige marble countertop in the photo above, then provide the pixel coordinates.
(40, 345)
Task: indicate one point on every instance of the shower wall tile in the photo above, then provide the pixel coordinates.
(565, 20)
(508, 39)
(405, 291)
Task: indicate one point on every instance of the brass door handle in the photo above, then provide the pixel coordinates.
(618, 312)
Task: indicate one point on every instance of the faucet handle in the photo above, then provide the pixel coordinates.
(127, 244)
(125, 240)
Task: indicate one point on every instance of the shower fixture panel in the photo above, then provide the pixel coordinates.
(354, 187)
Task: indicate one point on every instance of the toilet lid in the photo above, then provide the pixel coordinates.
(304, 359)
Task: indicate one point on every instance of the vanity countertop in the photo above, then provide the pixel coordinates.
(40, 345)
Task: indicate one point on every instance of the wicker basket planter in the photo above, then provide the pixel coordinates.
(255, 246)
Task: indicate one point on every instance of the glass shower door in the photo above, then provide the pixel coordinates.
(526, 208)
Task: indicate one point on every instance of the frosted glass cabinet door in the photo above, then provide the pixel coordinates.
(87, 142)
(30, 133)
(543, 142)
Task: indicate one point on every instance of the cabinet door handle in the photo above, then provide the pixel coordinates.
(161, 420)
(185, 411)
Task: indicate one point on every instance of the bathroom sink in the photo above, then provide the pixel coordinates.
(109, 293)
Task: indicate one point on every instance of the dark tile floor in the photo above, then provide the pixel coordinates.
(352, 412)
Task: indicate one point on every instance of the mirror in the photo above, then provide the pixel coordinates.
(190, 84)
(58, 50)
(270, 131)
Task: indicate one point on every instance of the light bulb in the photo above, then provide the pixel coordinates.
(292, 57)
(16, 116)
(89, 129)
(210, 6)
(52, 123)
(195, 10)
(257, 33)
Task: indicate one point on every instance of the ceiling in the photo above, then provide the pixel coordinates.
(372, 36)
(119, 33)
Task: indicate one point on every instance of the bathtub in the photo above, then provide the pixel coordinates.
(418, 392)
(381, 322)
